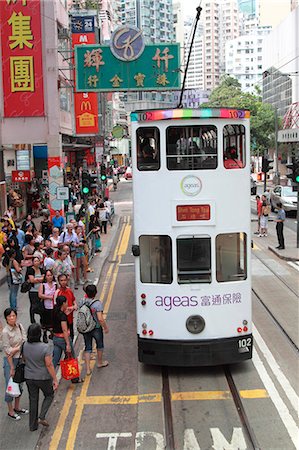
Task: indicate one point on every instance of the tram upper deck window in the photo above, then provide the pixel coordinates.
(191, 147)
(194, 259)
(155, 259)
(231, 257)
(234, 146)
(148, 148)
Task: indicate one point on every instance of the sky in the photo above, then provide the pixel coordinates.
(189, 7)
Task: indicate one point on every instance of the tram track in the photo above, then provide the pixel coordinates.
(277, 275)
(168, 416)
(268, 310)
(240, 409)
(284, 332)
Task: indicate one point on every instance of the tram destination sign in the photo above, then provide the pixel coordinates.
(127, 64)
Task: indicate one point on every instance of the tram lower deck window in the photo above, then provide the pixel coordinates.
(155, 259)
(194, 259)
(231, 257)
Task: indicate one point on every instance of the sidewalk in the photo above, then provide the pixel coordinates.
(10, 431)
(290, 253)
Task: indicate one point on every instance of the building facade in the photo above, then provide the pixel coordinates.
(244, 59)
(30, 144)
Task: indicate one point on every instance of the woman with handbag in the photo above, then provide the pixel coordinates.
(28, 250)
(39, 375)
(61, 333)
(13, 276)
(46, 294)
(35, 276)
(13, 336)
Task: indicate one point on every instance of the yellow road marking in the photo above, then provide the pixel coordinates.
(82, 398)
(254, 393)
(122, 399)
(125, 241)
(201, 395)
(175, 396)
(68, 400)
(62, 418)
(255, 247)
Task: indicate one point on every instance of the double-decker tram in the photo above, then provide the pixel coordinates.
(191, 191)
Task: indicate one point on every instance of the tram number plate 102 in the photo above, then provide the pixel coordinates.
(244, 345)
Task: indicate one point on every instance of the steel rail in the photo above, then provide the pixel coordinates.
(166, 395)
(276, 321)
(240, 408)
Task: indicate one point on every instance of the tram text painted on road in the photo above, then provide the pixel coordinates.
(149, 440)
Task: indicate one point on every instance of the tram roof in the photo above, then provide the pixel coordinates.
(181, 113)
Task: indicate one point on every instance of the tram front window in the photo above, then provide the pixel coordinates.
(231, 257)
(148, 148)
(191, 147)
(194, 259)
(234, 146)
(155, 259)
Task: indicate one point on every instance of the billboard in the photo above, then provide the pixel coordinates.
(21, 45)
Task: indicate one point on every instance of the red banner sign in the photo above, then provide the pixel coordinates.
(86, 104)
(22, 70)
(20, 176)
(193, 212)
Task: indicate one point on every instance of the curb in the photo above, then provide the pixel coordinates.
(285, 258)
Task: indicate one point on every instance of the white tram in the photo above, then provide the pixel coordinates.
(191, 187)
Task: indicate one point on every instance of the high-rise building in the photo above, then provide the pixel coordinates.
(281, 64)
(248, 7)
(244, 58)
(195, 75)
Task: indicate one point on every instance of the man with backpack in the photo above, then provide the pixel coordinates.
(91, 323)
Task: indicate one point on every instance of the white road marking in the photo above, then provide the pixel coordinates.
(282, 410)
(126, 264)
(295, 265)
(281, 378)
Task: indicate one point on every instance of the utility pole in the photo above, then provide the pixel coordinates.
(277, 173)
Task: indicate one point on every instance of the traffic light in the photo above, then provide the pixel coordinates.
(93, 177)
(85, 183)
(103, 173)
(266, 161)
(112, 162)
(294, 176)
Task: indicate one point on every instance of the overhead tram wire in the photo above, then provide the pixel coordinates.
(198, 9)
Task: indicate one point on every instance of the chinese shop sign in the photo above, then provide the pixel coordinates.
(127, 64)
(86, 103)
(20, 176)
(21, 45)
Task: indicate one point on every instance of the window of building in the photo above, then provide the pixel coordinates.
(234, 146)
(231, 259)
(148, 148)
(65, 98)
(155, 259)
(191, 147)
(194, 259)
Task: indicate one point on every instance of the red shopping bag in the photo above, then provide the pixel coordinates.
(69, 368)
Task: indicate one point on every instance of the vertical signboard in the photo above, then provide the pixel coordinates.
(55, 181)
(21, 46)
(86, 103)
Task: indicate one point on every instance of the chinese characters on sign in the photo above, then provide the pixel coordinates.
(99, 70)
(22, 58)
(193, 212)
(86, 103)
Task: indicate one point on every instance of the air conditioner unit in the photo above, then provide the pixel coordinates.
(63, 33)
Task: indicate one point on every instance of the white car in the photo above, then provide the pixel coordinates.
(285, 196)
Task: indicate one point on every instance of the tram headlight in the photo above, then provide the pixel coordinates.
(245, 322)
(195, 324)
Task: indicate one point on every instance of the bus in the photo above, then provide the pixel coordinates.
(192, 245)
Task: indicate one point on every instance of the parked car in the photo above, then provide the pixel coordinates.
(284, 195)
(252, 186)
(128, 174)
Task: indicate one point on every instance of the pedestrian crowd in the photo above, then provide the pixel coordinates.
(49, 262)
(263, 208)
